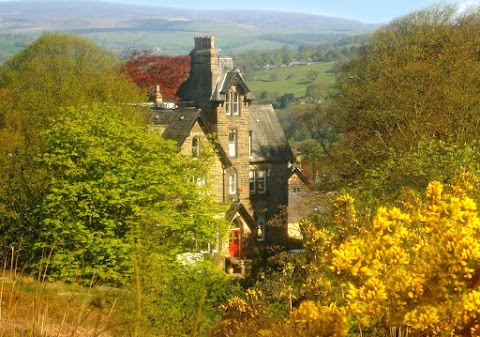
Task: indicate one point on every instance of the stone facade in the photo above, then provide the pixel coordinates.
(252, 170)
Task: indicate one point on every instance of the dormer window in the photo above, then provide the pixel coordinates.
(232, 104)
(236, 104)
(228, 104)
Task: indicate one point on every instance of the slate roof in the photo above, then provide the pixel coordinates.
(178, 124)
(269, 143)
(228, 75)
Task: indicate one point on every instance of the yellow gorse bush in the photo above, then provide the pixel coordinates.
(417, 268)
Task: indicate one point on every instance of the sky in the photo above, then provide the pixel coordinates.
(370, 11)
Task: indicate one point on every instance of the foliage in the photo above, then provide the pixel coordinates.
(414, 80)
(243, 315)
(342, 47)
(57, 70)
(112, 177)
(179, 298)
(62, 70)
(414, 268)
(148, 70)
(310, 320)
(409, 172)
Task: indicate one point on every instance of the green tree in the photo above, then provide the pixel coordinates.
(57, 70)
(416, 79)
(63, 70)
(113, 178)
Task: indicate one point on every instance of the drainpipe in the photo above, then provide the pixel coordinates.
(223, 184)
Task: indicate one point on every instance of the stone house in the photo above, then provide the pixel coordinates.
(253, 166)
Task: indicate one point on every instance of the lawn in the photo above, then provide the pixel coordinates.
(295, 79)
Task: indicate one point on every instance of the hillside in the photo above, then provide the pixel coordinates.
(121, 27)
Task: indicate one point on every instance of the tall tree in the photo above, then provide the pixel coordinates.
(113, 179)
(57, 70)
(148, 70)
(416, 79)
(63, 70)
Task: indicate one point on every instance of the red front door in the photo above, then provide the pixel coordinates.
(235, 240)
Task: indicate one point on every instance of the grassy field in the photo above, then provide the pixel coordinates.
(32, 308)
(295, 80)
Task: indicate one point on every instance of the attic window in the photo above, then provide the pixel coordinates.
(228, 104)
(236, 104)
(232, 103)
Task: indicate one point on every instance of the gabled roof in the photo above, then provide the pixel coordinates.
(179, 122)
(268, 140)
(238, 208)
(228, 76)
(296, 171)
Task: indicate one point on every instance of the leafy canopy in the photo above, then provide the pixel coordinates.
(148, 70)
(113, 179)
(63, 70)
(416, 79)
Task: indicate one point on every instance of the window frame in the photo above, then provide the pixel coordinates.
(236, 103)
(257, 181)
(196, 147)
(228, 104)
(251, 181)
(233, 143)
(261, 181)
(232, 183)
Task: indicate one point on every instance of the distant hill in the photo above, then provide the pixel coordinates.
(121, 27)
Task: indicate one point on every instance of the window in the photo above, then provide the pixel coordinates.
(250, 143)
(201, 181)
(232, 183)
(257, 181)
(236, 104)
(261, 181)
(195, 147)
(232, 102)
(228, 104)
(261, 227)
(251, 180)
(232, 143)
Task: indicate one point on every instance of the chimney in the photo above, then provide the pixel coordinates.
(204, 42)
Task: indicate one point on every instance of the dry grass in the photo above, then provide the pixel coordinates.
(41, 309)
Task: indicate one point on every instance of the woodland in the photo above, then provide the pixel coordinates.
(89, 199)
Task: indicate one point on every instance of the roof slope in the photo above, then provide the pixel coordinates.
(178, 123)
(238, 208)
(268, 140)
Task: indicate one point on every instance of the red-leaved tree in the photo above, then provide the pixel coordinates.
(148, 70)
